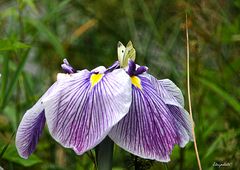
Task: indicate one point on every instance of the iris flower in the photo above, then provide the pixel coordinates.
(141, 114)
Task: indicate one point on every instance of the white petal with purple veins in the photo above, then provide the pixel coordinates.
(169, 92)
(150, 129)
(31, 126)
(85, 107)
(173, 97)
(173, 90)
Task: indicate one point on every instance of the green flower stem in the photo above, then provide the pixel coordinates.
(104, 153)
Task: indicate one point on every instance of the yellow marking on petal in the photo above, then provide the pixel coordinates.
(95, 78)
(136, 82)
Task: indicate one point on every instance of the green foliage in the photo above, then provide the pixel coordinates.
(53, 39)
(226, 96)
(6, 45)
(37, 35)
(11, 155)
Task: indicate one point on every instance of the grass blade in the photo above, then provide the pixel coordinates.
(228, 98)
(50, 36)
(12, 83)
(4, 78)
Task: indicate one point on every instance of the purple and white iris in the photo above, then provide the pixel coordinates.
(141, 114)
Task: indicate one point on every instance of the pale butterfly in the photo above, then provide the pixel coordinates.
(125, 53)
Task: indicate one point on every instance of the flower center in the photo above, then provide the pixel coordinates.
(95, 78)
(136, 82)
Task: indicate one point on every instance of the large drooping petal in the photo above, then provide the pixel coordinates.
(150, 129)
(86, 106)
(31, 126)
(173, 97)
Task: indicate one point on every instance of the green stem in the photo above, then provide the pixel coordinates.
(104, 154)
(165, 166)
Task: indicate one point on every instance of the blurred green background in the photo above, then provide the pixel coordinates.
(35, 36)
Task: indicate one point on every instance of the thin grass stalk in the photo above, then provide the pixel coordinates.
(6, 146)
(189, 98)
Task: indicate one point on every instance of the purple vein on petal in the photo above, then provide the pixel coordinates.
(80, 116)
(150, 129)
